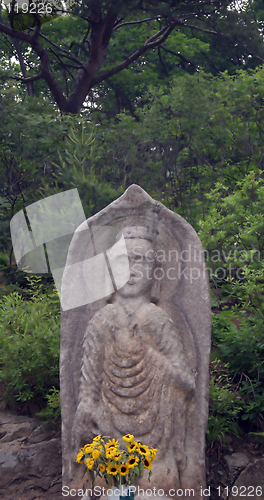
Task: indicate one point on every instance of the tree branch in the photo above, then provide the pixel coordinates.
(49, 77)
(178, 55)
(28, 79)
(150, 40)
(46, 72)
(66, 52)
(134, 22)
(15, 34)
(86, 35)
(62, 63)
(38, 27)
(18, 48)
(81, 46)
(148, 44)
(80, 64)
(221, 34)
(198, 28)
(162, 62)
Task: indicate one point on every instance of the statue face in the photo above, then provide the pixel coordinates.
(141, 263)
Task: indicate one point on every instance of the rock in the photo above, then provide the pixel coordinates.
(236, 463)
(237, 460)
(29, 468)
(250, 482)
(30, 459)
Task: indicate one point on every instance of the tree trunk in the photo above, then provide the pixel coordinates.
(17, 46)
(100, 36)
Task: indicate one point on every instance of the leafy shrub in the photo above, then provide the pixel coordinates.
(252, 392)
(243, 346)
(7, 289)
(225, 404)
(29, 339)
(233, 237)
(4, 260)
(52, 412)
(239, 338)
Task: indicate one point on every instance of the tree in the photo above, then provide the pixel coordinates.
(76, 170)
(80, 58)
(30, 135)
(236, 51)
(187, 137)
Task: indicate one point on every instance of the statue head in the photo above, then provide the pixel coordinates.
(140, 244)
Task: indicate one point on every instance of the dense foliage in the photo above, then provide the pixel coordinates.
(78, 54)
(233, 236)
(188, 134)
(185, 138)
(29, 337)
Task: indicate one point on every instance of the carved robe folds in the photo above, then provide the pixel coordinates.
(135, 378)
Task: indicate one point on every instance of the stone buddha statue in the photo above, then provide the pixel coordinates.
(135, 376)
(135, 340)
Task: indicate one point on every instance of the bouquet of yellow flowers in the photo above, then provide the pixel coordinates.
(117, 466)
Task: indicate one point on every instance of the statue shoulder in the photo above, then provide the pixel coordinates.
(102, 316)
(153, 312)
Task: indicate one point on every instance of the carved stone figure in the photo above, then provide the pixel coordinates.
(136, 361)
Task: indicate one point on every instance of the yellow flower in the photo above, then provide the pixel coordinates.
(102, 467)
(96, 454)
(153, 452)
(79, 458)
(132, 447)
(111, 444)
(143, 450)
(88, 448)
(111, 452)
(89, 463)
(147, 463)
(112, 469)
(97, 438)
(132, 461)
(123, 469)
(128, 438)
(116, 456)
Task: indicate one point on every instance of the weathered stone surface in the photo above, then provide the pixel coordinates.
(218, 472)
(137, 360)
(250, 482)
(30, 459)
(237, 460)
(236, 463)
(221, 477)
